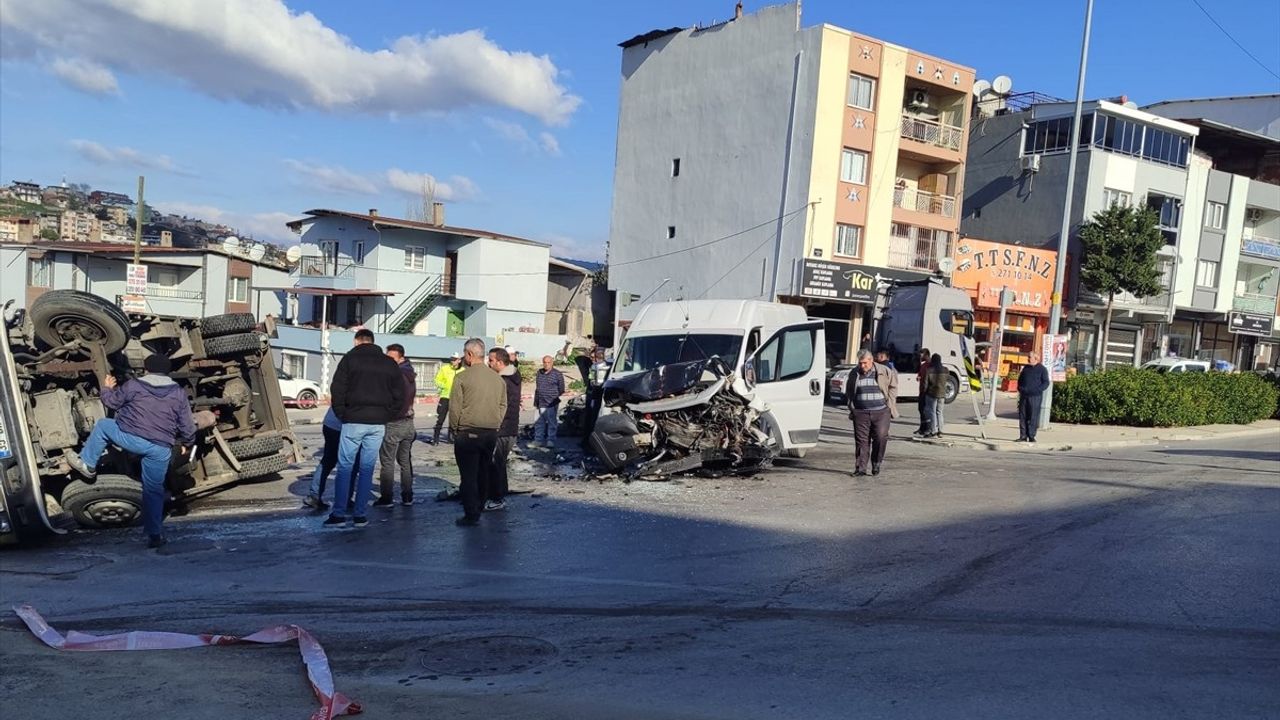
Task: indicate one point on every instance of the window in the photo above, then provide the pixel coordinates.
(293, 364)
(358, 253)
(1216, 215)
(1112, 198)
(329, 251)
(1169, 210)
(415, 257)
(40, 272)
(1133, 138)
(675, 167)
(849, 240)
(355, 311)
(238, 289)
(787, 356)
(853, 166)
(1050, 136)
(425, 372)
(163, 276)
(671, 232)
(862, 91)
(1207, 274)
(647, 352)
(959, 322)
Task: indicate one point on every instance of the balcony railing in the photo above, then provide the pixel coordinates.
(172, 293)
(932, 132)
(1261, 246)
(1255, 303)
(925, 202)
(915, 248)
(318, 266)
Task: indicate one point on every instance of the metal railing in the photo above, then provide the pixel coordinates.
(932, 132)
(1255, 303)
(170, 292)
(418, 305)
(915, 248)
(925, 202)
(324, 266)
(1260, 246)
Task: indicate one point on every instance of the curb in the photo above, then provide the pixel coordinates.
(1060, 446)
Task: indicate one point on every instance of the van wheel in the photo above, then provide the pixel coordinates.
(110, 501)
(953, 389)
(60, 316)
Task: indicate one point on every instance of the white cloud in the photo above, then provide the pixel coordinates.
(333, 178)
(549, 144)
(262, 53)
(85, 75)
(571, 249)
(456, 189)
(126, 157)
(268, 226)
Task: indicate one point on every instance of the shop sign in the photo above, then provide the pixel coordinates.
(1251, 324)
(848, 282)
(133, 303)
(989, 267)
(135, 279)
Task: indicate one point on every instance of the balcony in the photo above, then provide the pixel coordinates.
(925, 202)
(932, 132)
(170, 292)
(917, 248)
(321, 271)
(1255, 303)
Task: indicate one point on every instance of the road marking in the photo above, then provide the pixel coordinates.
(580, 579)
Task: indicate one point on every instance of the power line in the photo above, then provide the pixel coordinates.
(746, 257)
(1230, 37)
(711, 242)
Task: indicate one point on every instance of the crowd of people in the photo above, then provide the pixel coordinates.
(371, 420)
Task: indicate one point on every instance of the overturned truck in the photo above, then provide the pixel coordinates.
(710, 387)
(53, 358)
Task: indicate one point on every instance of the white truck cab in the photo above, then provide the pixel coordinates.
(775, 347)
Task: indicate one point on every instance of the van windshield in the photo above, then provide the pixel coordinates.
(641, 354)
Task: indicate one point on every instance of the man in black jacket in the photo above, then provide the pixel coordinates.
(501, 362)
(1032, 382)
(367, 393)
(397, 444)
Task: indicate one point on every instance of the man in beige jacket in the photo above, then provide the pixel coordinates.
(872, 390)
(477, 406)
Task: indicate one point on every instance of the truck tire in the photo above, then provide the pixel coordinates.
(259, 467)
(228, 324)
(110, 501)
(256, 447)
(953, 389)
(229, 345)
(60, 316)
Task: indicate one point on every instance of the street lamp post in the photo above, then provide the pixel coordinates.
(1059, 277)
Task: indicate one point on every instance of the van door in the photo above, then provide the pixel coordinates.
(788, 374)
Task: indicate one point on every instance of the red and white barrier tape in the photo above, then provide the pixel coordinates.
(332, 703)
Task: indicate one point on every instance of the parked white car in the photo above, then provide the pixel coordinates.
(298, 392)
(1177, 365)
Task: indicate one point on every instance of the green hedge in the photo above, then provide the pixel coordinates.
(1145, 398)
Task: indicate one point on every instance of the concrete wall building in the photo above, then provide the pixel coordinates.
(1016, 187)
(760, 159)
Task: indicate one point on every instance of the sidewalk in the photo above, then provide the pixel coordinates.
(961, 430)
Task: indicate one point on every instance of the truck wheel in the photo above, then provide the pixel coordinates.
(227, 345)
(259, 467)
(953, 389)
(61, 316)
(228, 324)
(256, 447)
(111, 501)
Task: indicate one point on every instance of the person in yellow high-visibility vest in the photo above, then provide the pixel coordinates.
(444, 382)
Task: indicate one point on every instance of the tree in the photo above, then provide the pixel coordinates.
(49, 234)
(1120, 245)
(420, 208)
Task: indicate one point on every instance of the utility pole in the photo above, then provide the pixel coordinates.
(1006, 299)
(140, 217)
(1059, 277)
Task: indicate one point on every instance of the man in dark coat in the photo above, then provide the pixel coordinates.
(397, 443)
(367, 393)
(1032, 382)
(496, 493)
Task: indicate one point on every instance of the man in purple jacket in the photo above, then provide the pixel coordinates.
(150, 412)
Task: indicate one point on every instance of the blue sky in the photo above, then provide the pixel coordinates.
(262, 109)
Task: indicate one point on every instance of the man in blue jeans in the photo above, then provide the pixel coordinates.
(367, 392)
(150, 412)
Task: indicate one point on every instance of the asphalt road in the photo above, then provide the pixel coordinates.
(1135, 584)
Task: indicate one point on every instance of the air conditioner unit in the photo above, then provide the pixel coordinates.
(1031, 163)
(1253, 215)
(919, 98)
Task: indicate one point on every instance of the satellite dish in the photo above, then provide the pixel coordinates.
(980, 88)
(293, 254)
(946, 265)
(231, 243)
(257, 251)
(1002, 85)
(1131, 105)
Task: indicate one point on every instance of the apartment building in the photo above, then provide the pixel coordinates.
(759, 159)
(1017, 173)
(79, 226)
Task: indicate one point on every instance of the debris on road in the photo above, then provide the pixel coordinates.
(332, 703)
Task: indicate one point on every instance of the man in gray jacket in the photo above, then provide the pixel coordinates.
(873, 402)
